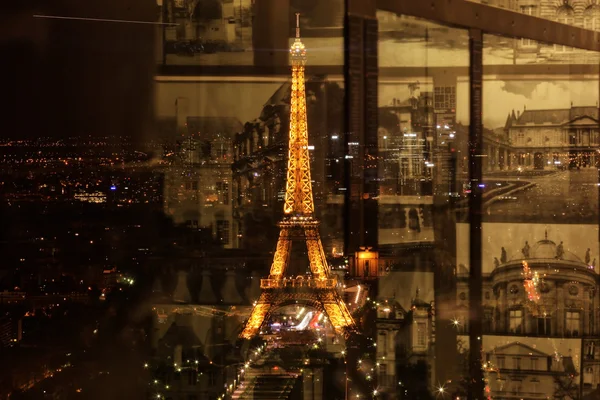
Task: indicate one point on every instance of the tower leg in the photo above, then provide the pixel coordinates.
(282, 254)
(316, 254)
(338, 315)
(258, 316)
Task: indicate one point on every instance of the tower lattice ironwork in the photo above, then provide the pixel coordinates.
(299, 224)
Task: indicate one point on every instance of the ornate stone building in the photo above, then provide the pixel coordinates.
(198, 179)
(404, 340)
(542, 293)
(560, 138)
(541, 326)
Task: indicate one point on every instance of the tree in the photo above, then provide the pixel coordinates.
(566, 387)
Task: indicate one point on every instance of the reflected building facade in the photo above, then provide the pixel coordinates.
(540, 338)
(560, 138)
(540, 293)
(260, 156)
(198, 179)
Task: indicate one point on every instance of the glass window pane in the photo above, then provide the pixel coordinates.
(423, 121)
(540, 215)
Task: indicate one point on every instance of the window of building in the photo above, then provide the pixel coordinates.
(517, 363)
(444, 98)
(535, 385)
(588, 376)
(194, 185)
(572, 323)
(487, 320)
(501, 362)
(221, 152)
(192, 377)
(543, 326)
(383, 374)
(534, 364)
(223, 192)
(590, 350)
(591, 18)
(565, 15)
(529, 10)
(462, 325)
(421, 339)
(223, 231)
(501, 383)
(212, 378)
(516, 321)
(516, 386)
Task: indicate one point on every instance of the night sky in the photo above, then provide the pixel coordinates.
(65, 78)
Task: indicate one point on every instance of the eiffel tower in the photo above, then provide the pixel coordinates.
(298, 225)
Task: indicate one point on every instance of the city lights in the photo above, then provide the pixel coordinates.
(184, 219)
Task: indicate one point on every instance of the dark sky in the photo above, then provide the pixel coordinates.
(64, 78)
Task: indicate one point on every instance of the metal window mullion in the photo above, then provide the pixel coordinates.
(476, 390)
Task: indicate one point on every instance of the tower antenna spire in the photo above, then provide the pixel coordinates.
(297, 25)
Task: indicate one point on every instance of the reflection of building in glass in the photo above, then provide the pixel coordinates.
(543, 139)
(207, 26)
(583, 14)
(404, 129)
(525, 372)
(404, 342)
(198, 182)
(260, 156)
(317, 14)
(536, 360)
(406, 168)
(196, 318)
(567, 306)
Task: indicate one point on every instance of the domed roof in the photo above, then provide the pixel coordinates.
(545, 249)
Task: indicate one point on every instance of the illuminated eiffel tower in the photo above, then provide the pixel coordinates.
(299, 225)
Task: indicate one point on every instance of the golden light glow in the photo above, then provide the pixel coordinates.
(339, 316)
(367, 254)
(282, 254)
(298, 193)
(259, 313)
(316, 254)
(299, 224)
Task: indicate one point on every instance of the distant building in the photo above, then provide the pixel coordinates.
(198, 181)
(224, 21)
(260, 160)
(528, 373)
(567, 307)
(543, 139)
(404, 338)
(197, 319)
(11, 331)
